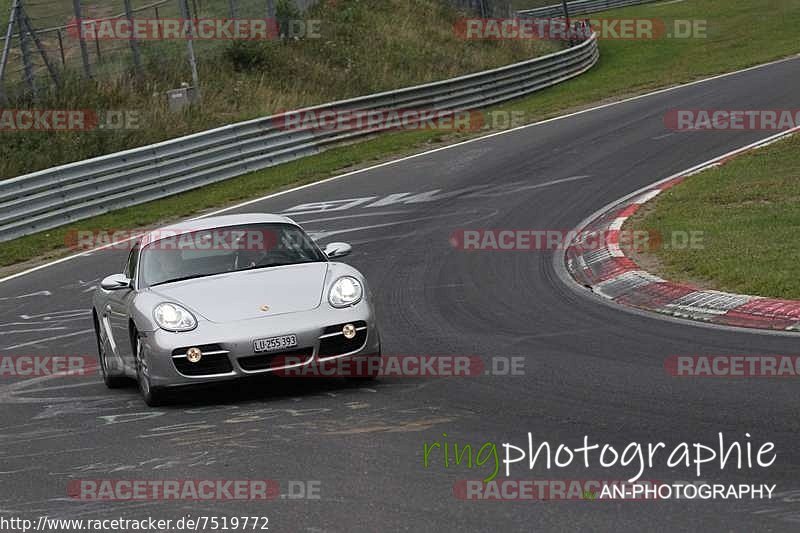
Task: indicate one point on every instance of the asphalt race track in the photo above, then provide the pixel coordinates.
(589, 369)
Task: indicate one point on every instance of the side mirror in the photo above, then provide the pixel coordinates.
(338, 249)
(115, 282)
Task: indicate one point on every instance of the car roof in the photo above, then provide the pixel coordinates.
(207, 223)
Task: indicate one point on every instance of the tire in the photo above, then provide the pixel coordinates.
(112, 382)
(152, 396)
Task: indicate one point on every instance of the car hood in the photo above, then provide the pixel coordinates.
(240, 295)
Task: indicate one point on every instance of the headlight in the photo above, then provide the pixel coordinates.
(345, 291)
(173, 317)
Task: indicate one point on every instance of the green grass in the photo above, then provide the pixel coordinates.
(365, 46)
(749, 213)
(739, 36)
(531, 4)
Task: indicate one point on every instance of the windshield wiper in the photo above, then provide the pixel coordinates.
(183, 278)
(268, 265)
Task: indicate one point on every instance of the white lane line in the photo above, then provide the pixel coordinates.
(342, 217)
(57, 315)
(502, 192)
(420, 154)
(325, 234)
(42, 341)
(43, 323)
(416, 233)
(40, 293)
(38, 330)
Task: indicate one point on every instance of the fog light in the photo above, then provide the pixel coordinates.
(194, 355)
(349, 331)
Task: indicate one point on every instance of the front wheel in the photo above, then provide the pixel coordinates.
(153, 396)
(112, 382)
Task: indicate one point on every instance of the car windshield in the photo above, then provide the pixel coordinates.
(228, 249)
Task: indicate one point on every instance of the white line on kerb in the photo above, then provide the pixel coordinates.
(413, 156)
(560, 261)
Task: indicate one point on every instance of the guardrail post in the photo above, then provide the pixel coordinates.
(26, 53)
(61, 48)
(137, 60)
(97, 49)
(566, 11)
(185, 15)
(53, 72)
(76, 7)
(7, 50)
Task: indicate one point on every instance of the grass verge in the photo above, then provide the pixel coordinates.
(741, 34)
(357, 47)
(749, 214)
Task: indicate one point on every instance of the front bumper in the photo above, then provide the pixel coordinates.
(228, 348)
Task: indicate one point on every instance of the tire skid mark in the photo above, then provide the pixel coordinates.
(192, 459)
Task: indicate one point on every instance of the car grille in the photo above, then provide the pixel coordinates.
(214, 361)
(274, 360)
(333, 343)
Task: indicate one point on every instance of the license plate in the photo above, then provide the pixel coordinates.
(275, 343)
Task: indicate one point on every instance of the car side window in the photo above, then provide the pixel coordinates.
(130, 267)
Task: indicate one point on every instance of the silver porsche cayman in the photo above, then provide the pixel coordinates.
(225, 297)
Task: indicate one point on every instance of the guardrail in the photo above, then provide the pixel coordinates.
(60, 195)
(580, 7)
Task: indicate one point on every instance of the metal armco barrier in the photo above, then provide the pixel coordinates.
(580, 7)
(64, 194)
